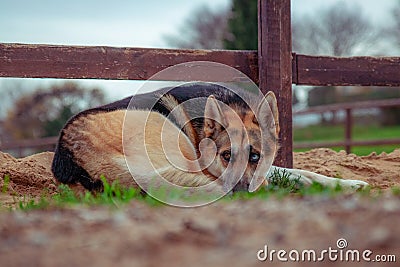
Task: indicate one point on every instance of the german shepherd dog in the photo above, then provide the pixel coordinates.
(223, 136)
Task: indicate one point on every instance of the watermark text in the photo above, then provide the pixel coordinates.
(339, 253)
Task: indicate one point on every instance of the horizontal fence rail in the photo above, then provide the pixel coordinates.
(346, 71)
(100, 62)
(20, 147)
(351, 105)
(29, 143)
(351, 143)
(84, 62)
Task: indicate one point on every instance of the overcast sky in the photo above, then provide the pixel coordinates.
(95, 22)
(124, 22)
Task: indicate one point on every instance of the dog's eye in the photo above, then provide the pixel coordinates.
(254, 157)
(226, 155)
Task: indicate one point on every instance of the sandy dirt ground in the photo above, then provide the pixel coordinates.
(221, 234)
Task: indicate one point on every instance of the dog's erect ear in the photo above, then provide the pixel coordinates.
(213, 117)
(269, 102)
(273, 104)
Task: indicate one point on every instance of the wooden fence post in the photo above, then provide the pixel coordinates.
(348, 130)
(275, 67)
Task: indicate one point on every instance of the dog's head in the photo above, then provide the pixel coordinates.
(242, 141)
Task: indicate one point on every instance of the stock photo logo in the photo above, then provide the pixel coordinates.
(200, 146)
(341, 253)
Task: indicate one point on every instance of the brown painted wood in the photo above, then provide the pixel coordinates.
(300, 145)
(348, 130)
(353, 105)
(80, 62)
(30, 143)
(365, 71)
(275, 67)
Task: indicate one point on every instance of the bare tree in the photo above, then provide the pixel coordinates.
(44, 111)
(204, 28)
(338, 30)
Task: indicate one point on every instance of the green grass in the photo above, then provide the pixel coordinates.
(281, 185)
(4, 188)
(113, 195)
(317, 133)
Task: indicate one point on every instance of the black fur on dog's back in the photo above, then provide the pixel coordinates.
(67, 170)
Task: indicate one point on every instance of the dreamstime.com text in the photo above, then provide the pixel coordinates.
(340, 253)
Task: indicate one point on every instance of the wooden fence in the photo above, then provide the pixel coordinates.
(273, 66)
(348, 142)
(19, 147)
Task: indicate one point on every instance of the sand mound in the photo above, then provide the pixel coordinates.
(28, 176)
(381, 170)
(31, 176)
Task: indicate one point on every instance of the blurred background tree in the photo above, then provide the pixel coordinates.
(338, 30)
(242, 26)
(204, 29)
(394, 30)
(227, 28)
(43, 112)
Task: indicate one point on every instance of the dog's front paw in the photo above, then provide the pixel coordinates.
(353, 184)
